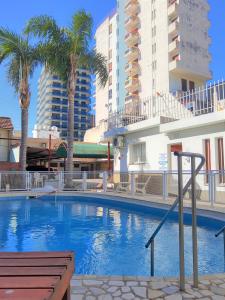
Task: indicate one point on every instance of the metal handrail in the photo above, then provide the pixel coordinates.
(185, 189)
(182, 192)
(222, 230)
(219, 232)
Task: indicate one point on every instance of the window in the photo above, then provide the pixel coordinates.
(154, 48)
(220, 157)
(110, 67)
(110, 94)
(110, 28)
(207, 158)
(191, 85)
(110, 80)
(184, 85)
(154, 31)
(138, 153)
(154, 65)
(110, 54)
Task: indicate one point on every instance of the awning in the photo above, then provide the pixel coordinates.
(86, 150)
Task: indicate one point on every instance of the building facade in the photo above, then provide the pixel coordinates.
(159, 47)
(106, 44)
(52, 106)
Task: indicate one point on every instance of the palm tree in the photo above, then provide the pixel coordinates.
(66, 50)
(22, 58)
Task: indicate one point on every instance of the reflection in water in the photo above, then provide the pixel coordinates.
(106, 239)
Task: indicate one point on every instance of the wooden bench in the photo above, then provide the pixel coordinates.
(36, 275)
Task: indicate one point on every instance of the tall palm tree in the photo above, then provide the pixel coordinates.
(22, 58)
(66, 50)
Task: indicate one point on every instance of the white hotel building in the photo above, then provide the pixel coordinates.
(162, 105)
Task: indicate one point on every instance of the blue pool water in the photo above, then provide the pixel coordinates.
(108, 238)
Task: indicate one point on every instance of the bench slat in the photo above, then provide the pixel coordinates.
(31, 271)
(25, 294)
(65, 254)
(34, 282)
(30, 262)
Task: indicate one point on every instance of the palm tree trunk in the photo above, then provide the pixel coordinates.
(24, 133)
(70, 136)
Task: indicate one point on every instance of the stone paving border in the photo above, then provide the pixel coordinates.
(142, 288)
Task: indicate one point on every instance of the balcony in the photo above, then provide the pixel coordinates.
(174, 26)
(132, 69)
(132, 54)
(132, 39)
(175, 63)
(132, 8)
(133, 86)
(132, 23)
(174, 46)
(173, 8)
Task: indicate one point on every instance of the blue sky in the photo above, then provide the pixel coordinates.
(14, 14)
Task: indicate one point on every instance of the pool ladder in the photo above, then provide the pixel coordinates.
(222, 230)
(179, 201)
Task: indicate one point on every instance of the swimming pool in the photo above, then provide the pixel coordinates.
(108, 237)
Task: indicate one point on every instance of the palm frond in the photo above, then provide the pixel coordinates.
(43, 27)
(97, 64)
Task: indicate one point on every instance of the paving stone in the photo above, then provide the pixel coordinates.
(174, 297)
(96, 291)
(170, 289)
(158, 285)
(77, 297)
(132, 283)
(206, 293)
(216, 297)
(116, 283)
(140, 291)
(105, 297)
(154, 294)
(117, 293)
(112, 289)
(76, 282)
(218, 291)
(91, 282)
(125, 289)
(128, 296)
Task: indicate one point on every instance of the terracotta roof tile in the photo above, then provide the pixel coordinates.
(6, 123)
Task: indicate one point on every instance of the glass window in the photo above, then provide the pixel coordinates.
(207, 151)
(220, 160)
(184, 85)
(138, 153)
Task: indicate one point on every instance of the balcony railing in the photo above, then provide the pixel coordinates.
(132, 39)
(132, 23)
(181, 105)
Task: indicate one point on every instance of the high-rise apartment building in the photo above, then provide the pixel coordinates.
(52, 106)
(162, 47)
(167, 46)
(106, 44)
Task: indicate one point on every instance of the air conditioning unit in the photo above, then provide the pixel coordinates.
(119, 142)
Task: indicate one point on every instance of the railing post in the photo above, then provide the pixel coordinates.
(181, 224)
(84, 183)
(152, 258)
(132, 184)
(194, 224)
(105, 177)
(165, 186)
(212, 186)
(224, 247)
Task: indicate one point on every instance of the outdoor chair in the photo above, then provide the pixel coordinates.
(141, 187)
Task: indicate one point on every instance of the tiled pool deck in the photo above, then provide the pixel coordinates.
(127, 287)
